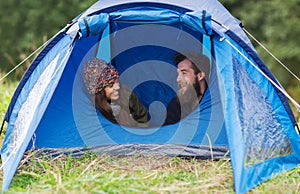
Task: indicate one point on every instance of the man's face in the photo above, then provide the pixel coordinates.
(186, 77)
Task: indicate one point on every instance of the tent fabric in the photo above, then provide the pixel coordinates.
(199, 20)
(195, 151)
(34, 96)
(265, 124)
(29, 71)
(241, 110)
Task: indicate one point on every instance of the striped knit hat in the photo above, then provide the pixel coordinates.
(99, 74)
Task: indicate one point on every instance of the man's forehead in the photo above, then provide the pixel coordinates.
(185, 65)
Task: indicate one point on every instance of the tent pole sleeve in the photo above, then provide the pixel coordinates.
(87, 26)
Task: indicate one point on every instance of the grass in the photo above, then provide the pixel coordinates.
(6, 90)
(93, 173)
(110, 174)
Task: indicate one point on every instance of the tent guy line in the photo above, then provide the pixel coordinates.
(24, 60)
(272, 55)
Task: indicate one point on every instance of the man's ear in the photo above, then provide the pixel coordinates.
(200, 76)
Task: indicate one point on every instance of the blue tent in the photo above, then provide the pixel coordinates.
(244, 110)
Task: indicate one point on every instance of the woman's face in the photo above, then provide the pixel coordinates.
(112, 91)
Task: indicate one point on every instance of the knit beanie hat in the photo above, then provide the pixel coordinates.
(99, 74)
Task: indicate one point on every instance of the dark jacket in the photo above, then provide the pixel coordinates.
(133, 113)
(177, 111)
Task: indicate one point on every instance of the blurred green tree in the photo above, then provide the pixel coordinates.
(276, 24)
(27, 24)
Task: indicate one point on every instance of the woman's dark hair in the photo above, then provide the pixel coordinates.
(102, 105)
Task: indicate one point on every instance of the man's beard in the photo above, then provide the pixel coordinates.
(188, 96)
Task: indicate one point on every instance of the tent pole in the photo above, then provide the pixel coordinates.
(297, 127)
(2, 127)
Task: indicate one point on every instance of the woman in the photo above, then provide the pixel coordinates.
(117, 103)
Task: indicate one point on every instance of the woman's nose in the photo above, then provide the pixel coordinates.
(116, 86)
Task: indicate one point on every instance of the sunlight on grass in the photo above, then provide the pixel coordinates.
(111, 174)
(93, 173)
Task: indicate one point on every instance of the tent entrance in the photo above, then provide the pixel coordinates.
(143, 51)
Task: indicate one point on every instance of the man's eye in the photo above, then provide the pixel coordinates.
(110, 85)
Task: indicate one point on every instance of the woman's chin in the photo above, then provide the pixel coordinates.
(114, 97)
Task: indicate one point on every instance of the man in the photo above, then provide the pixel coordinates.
(192, 71)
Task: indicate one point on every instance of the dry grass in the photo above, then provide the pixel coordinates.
(137, 174)
(133, 174)
(93, 173)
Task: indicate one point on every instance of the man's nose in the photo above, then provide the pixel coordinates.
(178, 78)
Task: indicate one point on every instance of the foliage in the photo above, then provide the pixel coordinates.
(276, 25)
(5, 95)
(27, 24)
(24, 26)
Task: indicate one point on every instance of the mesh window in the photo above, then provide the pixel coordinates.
(264, 136)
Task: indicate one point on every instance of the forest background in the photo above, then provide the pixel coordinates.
(25, 25)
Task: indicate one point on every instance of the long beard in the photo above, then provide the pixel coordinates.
(189, 95)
